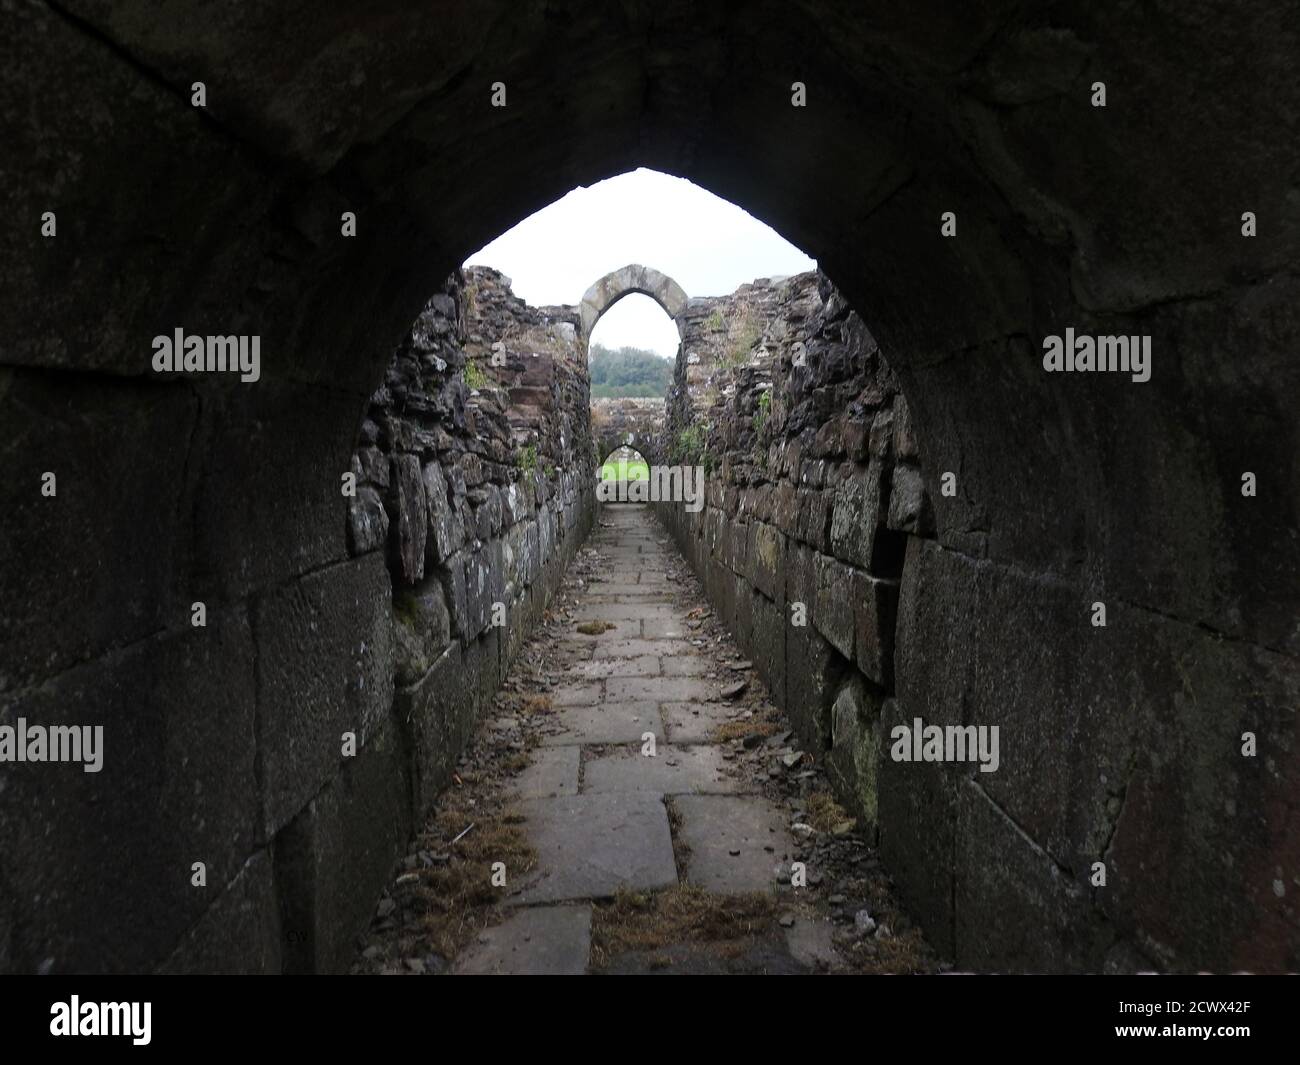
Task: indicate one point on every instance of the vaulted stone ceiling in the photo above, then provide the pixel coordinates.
(1123, 219)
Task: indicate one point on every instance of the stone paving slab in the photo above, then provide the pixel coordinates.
(657, 689)
(641, 666)
(695, 722)
(636, 648)
(575, 695)
(614, 723)
(812, 943)
(553, 771)
(535, 941)
(604, 593)
(640, 610)
(664, 628)
(686, 666)
(589, 846)
(670, 771)
(713, 826)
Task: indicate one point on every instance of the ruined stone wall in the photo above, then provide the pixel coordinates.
(812, 490)
(821, 508)
(290, 741)
(475, 485)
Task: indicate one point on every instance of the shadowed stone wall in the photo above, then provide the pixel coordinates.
(819, 546)
(475, 482)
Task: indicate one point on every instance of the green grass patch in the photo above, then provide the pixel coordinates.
(625, 470)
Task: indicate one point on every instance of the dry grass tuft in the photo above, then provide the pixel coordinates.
(536, 704)
(456, 899)
(824, 813)
(650, 921)
(595, 628)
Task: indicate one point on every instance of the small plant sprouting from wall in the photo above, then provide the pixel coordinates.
(691, 448)
(747, 334)
(715, 321)
(689, 445)
(527, 460)
(764, 409)
(474, 375)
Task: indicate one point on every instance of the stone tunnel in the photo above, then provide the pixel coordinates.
(637, 423)
(276, 589)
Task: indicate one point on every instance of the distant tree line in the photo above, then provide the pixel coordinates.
(628, 373)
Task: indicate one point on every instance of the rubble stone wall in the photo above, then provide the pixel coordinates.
(867, 598)
(812, 491)
(475, 473)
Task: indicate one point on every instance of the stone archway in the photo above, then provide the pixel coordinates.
(637, 423)
(630, 279)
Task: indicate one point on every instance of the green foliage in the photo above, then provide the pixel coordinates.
(474, 375)
(715, 320)
(528, 458)
(764, 409)
(628, 373)
(689, 446)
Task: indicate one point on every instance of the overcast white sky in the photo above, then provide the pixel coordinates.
(708, 246)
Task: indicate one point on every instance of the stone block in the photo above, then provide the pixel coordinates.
(909, 505)
(854, 758)
(813, 670)
(833, 606)
(1015, 909)
(452, 575)
(105, 441)
(917, 825)
(766, 560)
(875, 606)
(241, 549)
(367, 522)
(325, 667)
(856, 515)
(240, 932)
(334, 858)
(446, 533)
(768, 651)
(408, 518)
(437, 713)
(99, 864)
(421, 630)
